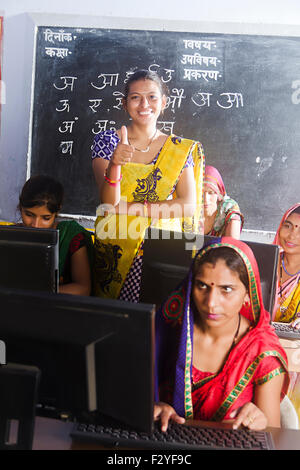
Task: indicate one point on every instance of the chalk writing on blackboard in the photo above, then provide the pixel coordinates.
(226, 100)
(60, 36)
(201, 60)
(65, 106)
(199, 44)
(61, 52)
(237, 94)
(175, 99)
(207, 54)
(107, 79)
(103, 125)
(68, 82)
(96, 103)
(166, 75)
(67, 147)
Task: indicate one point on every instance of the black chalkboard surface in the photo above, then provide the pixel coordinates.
(238, 94)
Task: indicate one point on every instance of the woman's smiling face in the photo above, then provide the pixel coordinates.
(144, 102)
(289, 234)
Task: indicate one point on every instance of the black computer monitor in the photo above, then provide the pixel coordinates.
(96, 356)
(29, 258)
(168, 256)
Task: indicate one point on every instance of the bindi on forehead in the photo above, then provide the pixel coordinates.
(294, 219)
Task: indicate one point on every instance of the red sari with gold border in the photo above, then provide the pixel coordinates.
(255, 359)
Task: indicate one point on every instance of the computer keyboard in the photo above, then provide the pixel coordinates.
(177, 436)
(283, 330)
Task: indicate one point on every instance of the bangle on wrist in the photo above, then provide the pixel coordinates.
(112, 182)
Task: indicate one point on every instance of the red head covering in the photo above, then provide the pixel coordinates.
(285, 216)
(214, 180)
(217, 397)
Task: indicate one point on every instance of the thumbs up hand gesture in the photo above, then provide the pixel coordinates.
(124, 151)
(124, 135)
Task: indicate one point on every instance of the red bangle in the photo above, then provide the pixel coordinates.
(112, 182)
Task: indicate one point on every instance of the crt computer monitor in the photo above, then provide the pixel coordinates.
(166, 261)
(96, 356)
(29, 258)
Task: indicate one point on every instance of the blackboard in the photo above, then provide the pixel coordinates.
(238, 94)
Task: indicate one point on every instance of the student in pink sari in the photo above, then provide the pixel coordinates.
(287, 302)
(222, 215)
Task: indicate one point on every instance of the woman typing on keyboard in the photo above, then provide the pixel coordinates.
(287, 304)
(217, 357)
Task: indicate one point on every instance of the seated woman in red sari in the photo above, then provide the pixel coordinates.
(217, 357)
(287, 302)
(222, 215)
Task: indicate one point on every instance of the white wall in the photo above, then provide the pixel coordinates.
(18, 41)
(244, 11)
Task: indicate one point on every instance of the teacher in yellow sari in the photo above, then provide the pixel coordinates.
(145, 177)
(287, 304)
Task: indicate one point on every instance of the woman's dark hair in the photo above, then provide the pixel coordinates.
(145, 75)
(296, 211)
(232, 259)
(42, 190)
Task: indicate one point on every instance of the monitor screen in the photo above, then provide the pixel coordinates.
(29, 258)
(168, 256)
(95, 355)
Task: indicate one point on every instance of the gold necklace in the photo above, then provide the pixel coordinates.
(147, 148)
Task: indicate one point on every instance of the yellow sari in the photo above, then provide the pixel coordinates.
(287, 301)
(288, 305)
(119, 236)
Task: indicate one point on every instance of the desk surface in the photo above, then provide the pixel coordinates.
(52, 434)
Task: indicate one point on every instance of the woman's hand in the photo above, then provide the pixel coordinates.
(250, 416)
(295, 324)
(110, 193)
(124, 151)
(165, 412)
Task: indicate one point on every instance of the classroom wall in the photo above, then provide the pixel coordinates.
(18, 50)
(245, 11)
